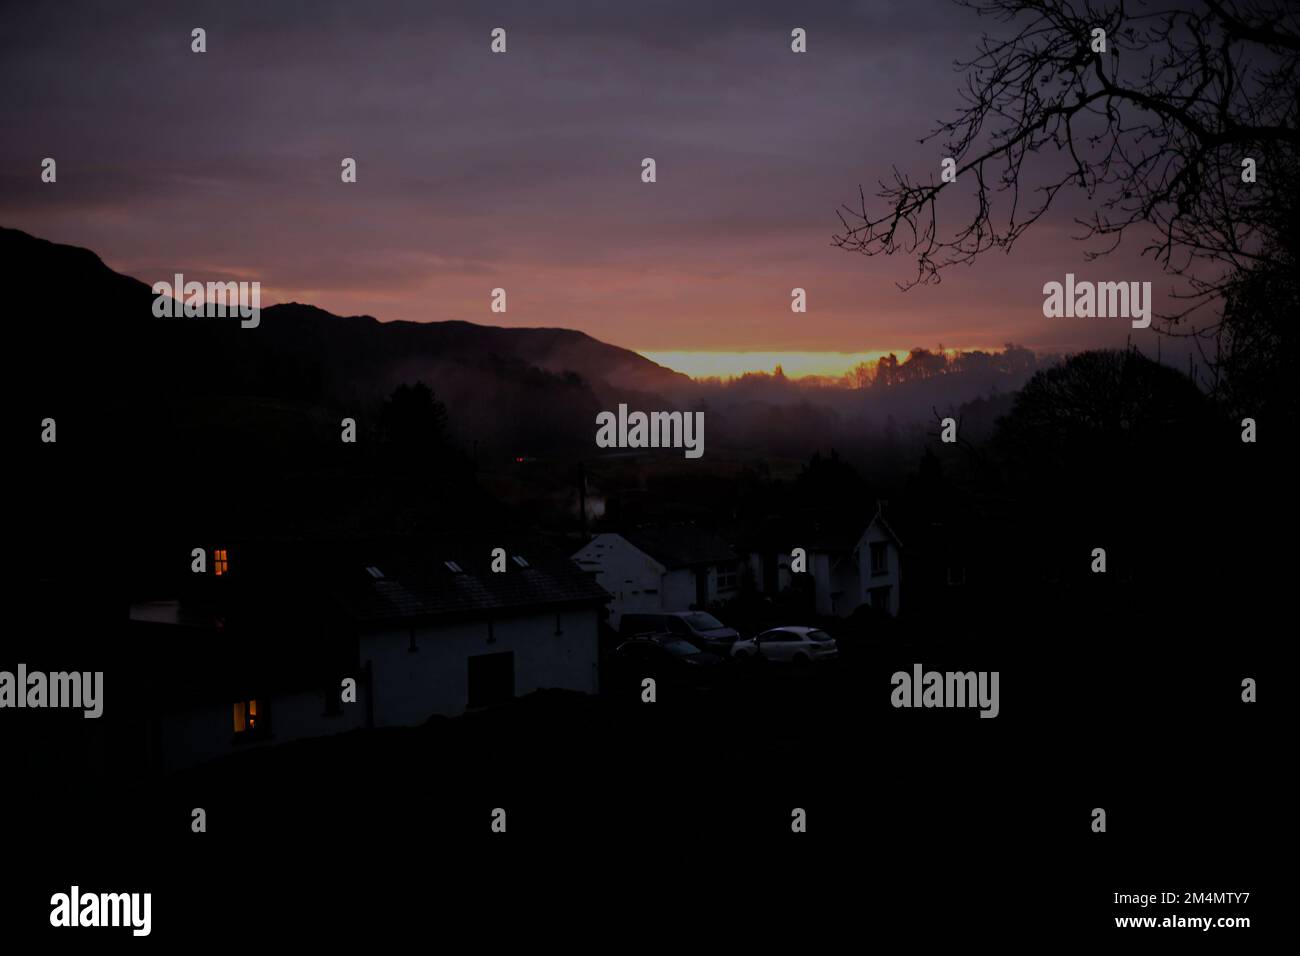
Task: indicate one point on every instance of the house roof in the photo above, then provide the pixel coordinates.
(459, 581)
(845, 536)
(681, 546)
(879, 520)
(285, 622)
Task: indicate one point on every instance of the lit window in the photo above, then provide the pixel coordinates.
(250, 717)
(219, 564)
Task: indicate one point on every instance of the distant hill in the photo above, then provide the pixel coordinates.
(94, 353)
(103, 336)
(363, 349)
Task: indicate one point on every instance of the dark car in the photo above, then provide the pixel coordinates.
(703, 630)
(668, 659)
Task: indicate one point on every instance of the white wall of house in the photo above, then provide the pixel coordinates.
(870, 577)
(636, 580)
(845, 582)
(411, 686)
(681, 594)
(784, 577)
(819, 563)
(639, 583)
(678, 591)
(717, 592)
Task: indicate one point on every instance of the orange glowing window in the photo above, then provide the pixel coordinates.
(219, 564)
(249, 718)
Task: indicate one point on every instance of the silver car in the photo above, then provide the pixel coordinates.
(788, 645)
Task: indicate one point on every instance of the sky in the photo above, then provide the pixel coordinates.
(522, 170)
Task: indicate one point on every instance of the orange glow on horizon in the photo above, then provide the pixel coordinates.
(706, 364)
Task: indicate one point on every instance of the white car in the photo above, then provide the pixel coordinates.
(789, 645)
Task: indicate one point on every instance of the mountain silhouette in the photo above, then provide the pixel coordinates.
(97, 360)
(105, 341)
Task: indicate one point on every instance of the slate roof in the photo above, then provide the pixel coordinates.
(423, 586)
(681, 546)
(285, 621)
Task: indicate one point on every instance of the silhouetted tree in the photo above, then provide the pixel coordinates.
(922, 364)
(1259, 343)
(1113, 450)
(830, 483)
(1082, 413)
(412, 422)
(886, 371)
(1153, 132)
(860, 375)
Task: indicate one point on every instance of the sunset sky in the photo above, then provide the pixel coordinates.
(522, 170)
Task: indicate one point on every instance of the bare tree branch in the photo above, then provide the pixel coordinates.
(1153, 132)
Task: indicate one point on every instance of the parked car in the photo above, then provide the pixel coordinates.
(703, 630)
(788, 645)
(668, 659)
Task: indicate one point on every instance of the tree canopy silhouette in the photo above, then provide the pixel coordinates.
(412, 422)
(1104, 410)
(1153, 131)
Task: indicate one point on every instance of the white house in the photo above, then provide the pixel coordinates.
(456, 635)
(437, 632)
(853, 567)
(661, 569)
